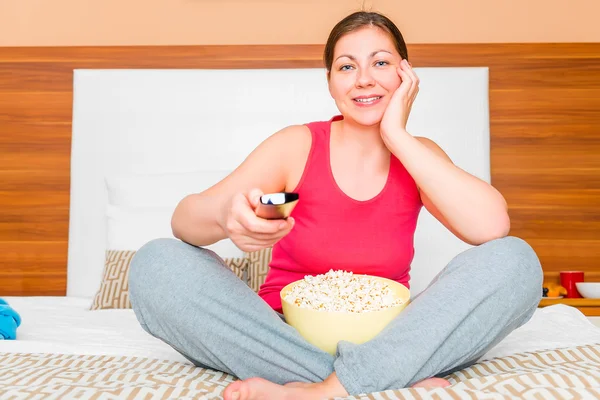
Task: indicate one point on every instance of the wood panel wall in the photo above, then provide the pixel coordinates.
(545, 137)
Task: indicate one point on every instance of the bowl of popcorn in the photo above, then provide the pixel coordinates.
(340, 305)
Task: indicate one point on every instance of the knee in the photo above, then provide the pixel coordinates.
(516, 263)
(163, 267)
(150, 266)
(150, 260)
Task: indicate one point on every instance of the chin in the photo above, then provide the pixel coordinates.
(367, 118)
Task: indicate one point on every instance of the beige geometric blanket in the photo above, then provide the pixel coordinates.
(569, 373)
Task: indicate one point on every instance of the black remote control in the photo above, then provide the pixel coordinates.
(277, 205)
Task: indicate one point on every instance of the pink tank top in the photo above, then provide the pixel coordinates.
(335, 231)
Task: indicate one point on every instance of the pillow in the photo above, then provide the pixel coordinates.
(129, 229)
(139, 209)
(158, 190)
(114, 289)
(258, 267)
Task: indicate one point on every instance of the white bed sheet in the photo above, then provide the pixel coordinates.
(65, 325)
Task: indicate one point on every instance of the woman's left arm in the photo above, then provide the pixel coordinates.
(469, 207)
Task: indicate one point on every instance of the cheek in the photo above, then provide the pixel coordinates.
(389, 81)
(340, 87)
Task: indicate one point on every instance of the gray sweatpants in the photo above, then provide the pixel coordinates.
(187, 297)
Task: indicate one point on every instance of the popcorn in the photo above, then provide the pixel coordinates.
(342, 291)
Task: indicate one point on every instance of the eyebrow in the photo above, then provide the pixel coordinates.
(370, 55)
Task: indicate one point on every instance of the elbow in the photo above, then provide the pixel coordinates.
(176, 227)
(500, 228)
(497, 228)
(505, 225)
(499, 220)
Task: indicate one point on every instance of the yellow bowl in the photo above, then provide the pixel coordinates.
(325, 329)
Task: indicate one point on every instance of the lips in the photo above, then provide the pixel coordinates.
(367, 100)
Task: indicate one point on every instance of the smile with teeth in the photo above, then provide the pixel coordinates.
(368, 100)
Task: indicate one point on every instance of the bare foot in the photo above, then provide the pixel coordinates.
(262, 389)
(297, 384)
(432, 383)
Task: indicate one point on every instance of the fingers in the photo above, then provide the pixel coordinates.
(250, 241)
(265, 228)
(416, 82)
(250, 232)
(254, 197)
(408, 74)
(266, 241)
(411, 72)
(406, 83)
(244, 214)
(245, 217)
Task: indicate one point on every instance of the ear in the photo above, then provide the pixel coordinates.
(327, 75)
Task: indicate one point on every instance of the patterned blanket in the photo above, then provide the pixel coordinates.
(569, 373)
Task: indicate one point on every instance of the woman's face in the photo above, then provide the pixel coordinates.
(363, 74)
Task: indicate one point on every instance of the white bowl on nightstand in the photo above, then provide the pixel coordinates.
(589, 290)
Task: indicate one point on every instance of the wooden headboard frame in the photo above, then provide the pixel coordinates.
(545, 138)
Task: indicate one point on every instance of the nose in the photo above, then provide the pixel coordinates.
(364, 78)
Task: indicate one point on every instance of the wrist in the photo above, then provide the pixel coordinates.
(396, 138)
(394, 130)
(222, 216)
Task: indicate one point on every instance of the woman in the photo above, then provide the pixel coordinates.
(362, 180)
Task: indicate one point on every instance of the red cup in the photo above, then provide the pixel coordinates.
(568, 279)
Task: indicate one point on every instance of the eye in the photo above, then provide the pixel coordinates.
(381, 63)
(345, 67)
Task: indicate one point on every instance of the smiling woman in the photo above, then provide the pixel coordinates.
(350, 62)
(363, 80)
(362, 181)
(364, 84)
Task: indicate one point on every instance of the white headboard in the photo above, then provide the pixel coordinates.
(176, 121)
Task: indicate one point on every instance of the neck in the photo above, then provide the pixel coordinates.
(365, 140)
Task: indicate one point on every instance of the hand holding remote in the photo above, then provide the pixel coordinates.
(249, 231)
(276, 205)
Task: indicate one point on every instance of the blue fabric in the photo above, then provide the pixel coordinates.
(9, 321)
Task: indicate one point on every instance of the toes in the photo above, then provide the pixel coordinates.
(247, 389)
(231, 388)
(432, 383)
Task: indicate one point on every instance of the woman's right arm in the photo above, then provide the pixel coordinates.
(227, 208)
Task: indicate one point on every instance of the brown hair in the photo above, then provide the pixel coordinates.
(361, 19)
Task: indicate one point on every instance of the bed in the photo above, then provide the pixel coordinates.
(144, 138)
(64, 350)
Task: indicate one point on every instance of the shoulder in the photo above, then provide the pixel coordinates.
(294, 133)
(289, 149)
(298, 147)
(270, 165)
(290, 140)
